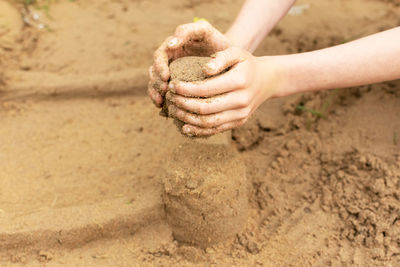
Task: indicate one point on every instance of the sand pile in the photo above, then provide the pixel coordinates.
(205, 196)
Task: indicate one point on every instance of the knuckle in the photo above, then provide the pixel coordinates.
(184, 116)
(163, 87)
(191, 89)
(203, 25)
(195, 130)
(241, 81)
(205, 121)
(202, 108)
(181, 103)
(215, 131)
(244, 113)
(221, 128)
(215, 121)
(150, 86)
(181, 29)
(209, 123)
(157, 63)
(244, 101)
(176, 113)
(207, 90)
(156, 54)
(153, 95)
(178, 88)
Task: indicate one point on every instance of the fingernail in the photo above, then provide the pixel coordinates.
(211, 65)
(173, 42)
(171, 87)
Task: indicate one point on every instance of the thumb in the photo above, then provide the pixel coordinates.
(224, 59)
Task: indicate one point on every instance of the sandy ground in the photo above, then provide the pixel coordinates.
(81, 144)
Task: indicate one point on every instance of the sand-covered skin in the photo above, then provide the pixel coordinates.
(206, 193)
(323, 191)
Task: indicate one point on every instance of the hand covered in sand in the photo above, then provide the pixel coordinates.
(225, 101)
(198, 38)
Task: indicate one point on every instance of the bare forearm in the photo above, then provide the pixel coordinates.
(255, 20)
(372, 59)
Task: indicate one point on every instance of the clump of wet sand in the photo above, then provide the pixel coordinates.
(187, 69)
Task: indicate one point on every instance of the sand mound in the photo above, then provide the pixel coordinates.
(205, 196)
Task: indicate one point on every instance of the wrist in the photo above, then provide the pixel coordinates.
(291, 74)
(276, 79)
(235, 39)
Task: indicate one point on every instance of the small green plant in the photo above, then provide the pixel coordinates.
(320, 113)
(309, 121)
(312, 111)
(395, 138)
(29, 2)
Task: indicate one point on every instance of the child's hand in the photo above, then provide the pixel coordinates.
(231, 97)
(193, 39)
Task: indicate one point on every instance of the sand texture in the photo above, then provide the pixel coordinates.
(83, 150)
(206, 193)
(187, 69)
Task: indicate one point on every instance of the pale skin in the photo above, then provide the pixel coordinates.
(232, 97)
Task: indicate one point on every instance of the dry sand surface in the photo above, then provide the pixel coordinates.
(82, 148)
